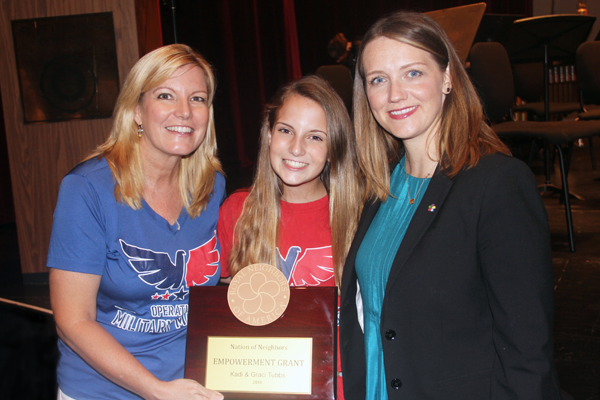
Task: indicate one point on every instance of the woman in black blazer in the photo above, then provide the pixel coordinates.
(447, 288)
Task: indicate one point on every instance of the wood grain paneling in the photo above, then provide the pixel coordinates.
(41, 154)
(7, 209)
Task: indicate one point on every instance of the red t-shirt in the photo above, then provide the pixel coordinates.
(305, 255)
(305, 239)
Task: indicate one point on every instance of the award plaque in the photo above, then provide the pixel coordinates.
(271, 342)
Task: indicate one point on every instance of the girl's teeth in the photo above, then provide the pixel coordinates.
(295, 164)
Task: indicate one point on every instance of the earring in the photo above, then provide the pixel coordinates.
(140, 131)
(448, 89)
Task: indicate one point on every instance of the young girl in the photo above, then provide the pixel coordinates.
(302, 210)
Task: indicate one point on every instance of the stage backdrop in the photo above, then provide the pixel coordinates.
(257, 45)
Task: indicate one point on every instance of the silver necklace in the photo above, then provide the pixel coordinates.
(179, 226)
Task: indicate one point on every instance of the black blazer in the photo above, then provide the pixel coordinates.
(468, 307)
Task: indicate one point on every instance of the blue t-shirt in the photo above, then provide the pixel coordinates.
(146, 266)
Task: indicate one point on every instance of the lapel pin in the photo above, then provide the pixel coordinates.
(431, 208)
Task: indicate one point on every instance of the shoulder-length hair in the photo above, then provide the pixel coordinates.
(261, 215)
(463, 137)
(197, 171)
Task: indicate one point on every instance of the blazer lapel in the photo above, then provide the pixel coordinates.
(438, 188)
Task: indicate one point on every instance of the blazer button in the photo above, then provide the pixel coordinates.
(390, 335)
(396, 383)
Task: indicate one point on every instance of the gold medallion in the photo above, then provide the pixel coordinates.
(258, 294)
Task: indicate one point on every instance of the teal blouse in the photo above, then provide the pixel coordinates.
(374, 262)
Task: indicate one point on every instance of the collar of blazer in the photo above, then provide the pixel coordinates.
(438, 188)
(436, 193)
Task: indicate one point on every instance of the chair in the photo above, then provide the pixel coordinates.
(340, 79)
(492, 75)
(529, 86)
(588, 66)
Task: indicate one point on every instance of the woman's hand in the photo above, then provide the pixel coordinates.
(183, 389)
(73, 298)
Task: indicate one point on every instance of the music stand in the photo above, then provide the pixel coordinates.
(495, 28)
(550, 37)
(460, 24)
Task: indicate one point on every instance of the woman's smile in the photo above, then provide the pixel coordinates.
(405, 88)
(174, 115)
(403, 113)
(180, 129)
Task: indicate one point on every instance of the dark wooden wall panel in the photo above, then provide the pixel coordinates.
(7, 209)
(41, 154)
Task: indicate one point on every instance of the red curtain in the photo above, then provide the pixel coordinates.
(291, 40)
(234, 98)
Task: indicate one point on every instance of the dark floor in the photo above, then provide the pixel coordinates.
(577, 279)
(577, 289)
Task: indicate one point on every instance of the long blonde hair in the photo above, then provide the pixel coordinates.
(197, 171)
(464, 136)
(261, 214)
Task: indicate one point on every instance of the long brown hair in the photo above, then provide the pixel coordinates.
(197, 172)
(464, 136)
(261, 213)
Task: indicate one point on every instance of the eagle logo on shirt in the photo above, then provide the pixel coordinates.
(157, 269)
(313, 267)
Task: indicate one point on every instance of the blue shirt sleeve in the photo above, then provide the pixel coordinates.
(78, 240)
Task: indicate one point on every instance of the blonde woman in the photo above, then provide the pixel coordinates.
(301, 212)
(134, 227)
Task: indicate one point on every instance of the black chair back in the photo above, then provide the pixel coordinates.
(529, 81)
(588, 71)
(492, 76)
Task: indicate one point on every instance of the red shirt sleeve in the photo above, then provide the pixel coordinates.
(228, 215)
